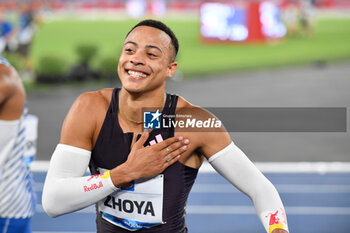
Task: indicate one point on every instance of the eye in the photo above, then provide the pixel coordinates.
(151, 55)
(128, 50)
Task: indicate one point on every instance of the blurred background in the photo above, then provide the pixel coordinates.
(280, 53)
(277, 53)
(55, 41)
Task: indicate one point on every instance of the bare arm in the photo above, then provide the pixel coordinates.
(80, 123)
(12, 94)
(7, 84)
(67, 190)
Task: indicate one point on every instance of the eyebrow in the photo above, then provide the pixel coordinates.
(147, 46)
(154, 47)
(130, 42)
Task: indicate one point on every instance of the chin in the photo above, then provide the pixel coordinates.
(134, 89)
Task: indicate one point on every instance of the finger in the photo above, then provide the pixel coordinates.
(173, 147)
(171, 162)
(167, 142)
(147, 130)
(169, 157)
(144, 136)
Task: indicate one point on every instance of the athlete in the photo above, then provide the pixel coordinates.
(17, 202)
(140, 180)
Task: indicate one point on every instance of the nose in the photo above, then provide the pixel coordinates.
(137, 59)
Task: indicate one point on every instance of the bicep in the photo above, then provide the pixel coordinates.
(211, 140)
(78, 126)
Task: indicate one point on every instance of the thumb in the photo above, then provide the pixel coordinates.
(144, 136)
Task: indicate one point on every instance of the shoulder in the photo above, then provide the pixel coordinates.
(5, 70)
(187, 109)
(182, 103)
(93, 97)
(92, 101)
(8, 77)
(82, 119)
(209, 135)
(12, 93)
(90, 106)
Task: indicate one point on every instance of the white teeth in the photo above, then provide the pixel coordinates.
(137, 74)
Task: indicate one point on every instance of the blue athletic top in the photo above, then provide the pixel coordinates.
(17, 199)
(112, 149)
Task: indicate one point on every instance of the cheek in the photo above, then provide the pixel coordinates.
(162, 72)
(161, 68)
(120, 64)
(120, 60)
(119, 68)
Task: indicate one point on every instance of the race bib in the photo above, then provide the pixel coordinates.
(135, 207)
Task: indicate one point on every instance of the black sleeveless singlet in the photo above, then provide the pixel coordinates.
(112, 149)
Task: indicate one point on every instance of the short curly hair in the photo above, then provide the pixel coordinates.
(161, 26)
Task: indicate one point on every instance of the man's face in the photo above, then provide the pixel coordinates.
(146, 60)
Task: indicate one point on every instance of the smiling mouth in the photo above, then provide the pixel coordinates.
(136, 74)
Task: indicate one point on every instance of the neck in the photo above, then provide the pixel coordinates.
(131, 104)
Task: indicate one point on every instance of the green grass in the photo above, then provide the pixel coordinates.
(329, 42)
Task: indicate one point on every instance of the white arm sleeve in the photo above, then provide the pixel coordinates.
(236, 167)
(66, 189)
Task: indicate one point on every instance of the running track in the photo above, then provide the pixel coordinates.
(316, 201)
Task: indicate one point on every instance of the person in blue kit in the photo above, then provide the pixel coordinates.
(141, 180)
(26, 28)
(17, 201)
(6, 29)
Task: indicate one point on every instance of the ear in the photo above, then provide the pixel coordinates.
(171, 69)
